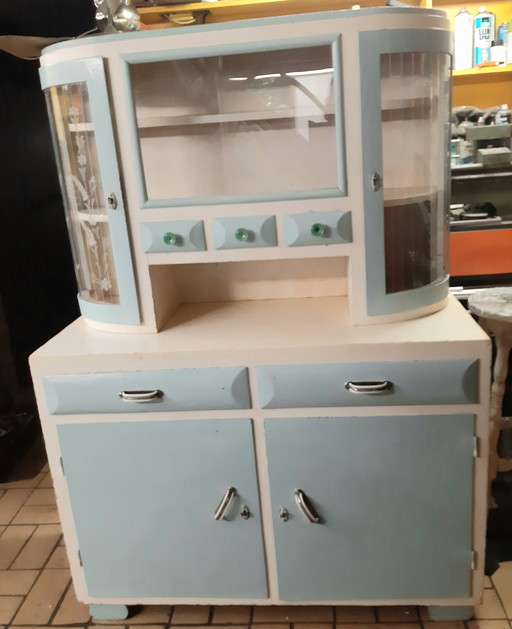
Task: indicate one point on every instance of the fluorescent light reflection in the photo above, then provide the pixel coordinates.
(238, 78)
(310, 72)
(267, 76)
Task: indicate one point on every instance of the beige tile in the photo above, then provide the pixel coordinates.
(191, 615)
(71, 611)
(46, 481)
(143, 627)
(400, 613)
(39, 627)
(441, 624)
(12, 541)
(232, 615)
(150, 615)
(8, 607)
(59, 558)
(2, 529)
(488, 582)
(43, 598)
(488, 624)
(16, 581)
(11, 502)
(24, 483)
(45, 514)
(306, 613)
(312, 625)
(103, 626)
(502, 580)
(490, 607)
(38, 548)
(350, 613)
(273, 625)
(44, 496)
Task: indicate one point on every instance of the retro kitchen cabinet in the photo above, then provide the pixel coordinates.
(269, 397)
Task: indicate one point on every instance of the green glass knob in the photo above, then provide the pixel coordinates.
(318, 230)
(242, 234)
(170, 238)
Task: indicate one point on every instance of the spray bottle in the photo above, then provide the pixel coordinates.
(484, 34)
(463, 40)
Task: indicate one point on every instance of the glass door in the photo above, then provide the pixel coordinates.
(406, 105)
(79, 115)
(227, 126)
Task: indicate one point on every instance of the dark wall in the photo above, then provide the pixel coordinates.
(37, 282)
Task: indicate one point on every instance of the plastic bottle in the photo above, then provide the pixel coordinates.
(484, 34)
(463, 40)
(498, 52)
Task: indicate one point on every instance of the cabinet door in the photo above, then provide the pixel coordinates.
(143, 496)
(405, 108)
(394, 497)
(79, 111)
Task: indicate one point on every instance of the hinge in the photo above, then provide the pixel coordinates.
(62, 467)
(80, 558)
(476, 447)
(473, 560)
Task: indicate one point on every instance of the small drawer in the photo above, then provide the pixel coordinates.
(317, 228)
(172, 236)
(368, 384)
(148, 391)
(244, 232)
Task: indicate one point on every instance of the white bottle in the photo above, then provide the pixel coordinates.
(463, 40)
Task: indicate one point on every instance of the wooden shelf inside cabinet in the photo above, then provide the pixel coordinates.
(167, 16)
(484, 72)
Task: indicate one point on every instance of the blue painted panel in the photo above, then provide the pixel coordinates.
(395, 499)
(189, 236)
(299, 228)
(413, 382)
(143, 495)
(260, 231)
(371, 45)
(181, 390)
(92, 72)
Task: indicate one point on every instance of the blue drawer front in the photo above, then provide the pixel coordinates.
(172, 236)
(180, 390)
(411, 383)
(244, 232)
(317, 228)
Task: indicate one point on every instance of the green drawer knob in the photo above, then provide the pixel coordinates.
(242, 234)
(318, 230)
(170, 238)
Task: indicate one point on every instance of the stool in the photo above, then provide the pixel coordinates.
(493, 307)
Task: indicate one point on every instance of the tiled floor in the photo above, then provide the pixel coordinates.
(36, 588)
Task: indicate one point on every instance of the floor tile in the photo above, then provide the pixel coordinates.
(231, 614)
(59, 558)
(502, 580)
(488, 582)
(394, 613)
(273, 625)
(488, 624)
(45, 514)
(11, 542)
(8, 607)
(16, 581)
(439, 624)
(312, 625)
(310, 613)
(46, 481)
(11, 502)
(191, 615)
(490, 608)
(139, 626)
(38, 548)
(24, 483)
(41, 496)
(71, 610)
(149, 615)
(2, 529)
(349, 613)
(43, 598)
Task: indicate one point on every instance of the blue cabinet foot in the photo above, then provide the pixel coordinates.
(108, 612)
(437, 612)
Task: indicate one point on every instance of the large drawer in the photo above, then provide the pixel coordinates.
(368, 384)
(150, 391)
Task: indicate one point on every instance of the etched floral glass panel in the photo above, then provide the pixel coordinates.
(80, 179)
(415, 109)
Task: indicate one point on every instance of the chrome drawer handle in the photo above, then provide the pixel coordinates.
(368, 387)
(220, 511)
(140, 396)
(304, 505)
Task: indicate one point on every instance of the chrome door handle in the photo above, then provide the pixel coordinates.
(368, 387)
(224, 503)
(140, 396)
(304, 505)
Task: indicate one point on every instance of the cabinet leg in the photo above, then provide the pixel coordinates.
(108, 612)
(438, 612)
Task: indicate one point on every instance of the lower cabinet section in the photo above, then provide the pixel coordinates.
(363, 508)
(144, 496)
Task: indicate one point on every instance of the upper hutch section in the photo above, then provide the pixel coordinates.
(278, 158)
